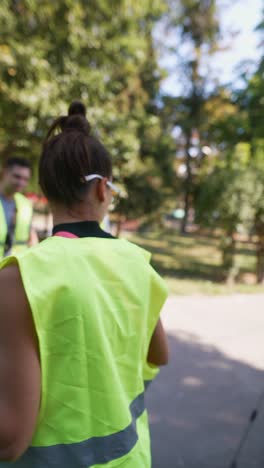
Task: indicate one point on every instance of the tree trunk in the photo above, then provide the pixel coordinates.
(188, 184)
(228, 257)
(193, 122)
(259, 225)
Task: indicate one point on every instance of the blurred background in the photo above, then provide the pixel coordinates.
(175, 90)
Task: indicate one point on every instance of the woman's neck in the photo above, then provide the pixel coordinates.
(62, 216)
(63, 219)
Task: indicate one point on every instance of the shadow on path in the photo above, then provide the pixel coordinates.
(199, 406)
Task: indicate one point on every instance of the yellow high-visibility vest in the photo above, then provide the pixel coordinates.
(24, 213)
(95, 303)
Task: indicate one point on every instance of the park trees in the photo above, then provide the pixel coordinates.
(231, 198)
(104, 54)
(99, 52)
(252, 104)
(231, 194)
(196, 26)
(255, 111)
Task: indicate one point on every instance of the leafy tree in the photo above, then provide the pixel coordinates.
(100, 52)
(225, 201)
(258, 224)
(197, 26)
(236, 185)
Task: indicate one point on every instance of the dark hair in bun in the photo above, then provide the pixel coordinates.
(74, 121)
(77, 107)
(68, 156)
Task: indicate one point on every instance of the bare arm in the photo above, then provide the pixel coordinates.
(19, 367)
(158, 353)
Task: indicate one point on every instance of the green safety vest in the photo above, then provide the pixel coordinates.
(95, 303)
(24, 213)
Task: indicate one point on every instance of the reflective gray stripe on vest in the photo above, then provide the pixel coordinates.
(97, 450)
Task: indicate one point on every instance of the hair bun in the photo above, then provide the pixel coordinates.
(76, 119)
(78, 123)
(77, 108)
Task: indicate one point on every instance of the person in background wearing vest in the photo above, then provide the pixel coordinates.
(16, 232)
(81, 338)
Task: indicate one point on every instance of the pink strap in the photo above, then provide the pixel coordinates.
(66, 234)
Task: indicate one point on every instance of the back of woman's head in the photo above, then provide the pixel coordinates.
(70, 155)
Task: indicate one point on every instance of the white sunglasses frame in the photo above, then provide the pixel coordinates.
(112, 186)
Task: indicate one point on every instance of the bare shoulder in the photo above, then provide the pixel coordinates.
(10, 275)
(14, 306)
(11, 288)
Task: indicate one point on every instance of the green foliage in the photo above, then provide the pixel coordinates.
(196, 25)
(197, 19)
(97, 51)
(232, 198)
(143, 197)
(227, 198)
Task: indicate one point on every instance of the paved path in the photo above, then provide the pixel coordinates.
(200, 403)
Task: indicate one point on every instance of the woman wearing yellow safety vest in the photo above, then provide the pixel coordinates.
(80, 335)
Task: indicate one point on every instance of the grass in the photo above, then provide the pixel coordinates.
(191, 264)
